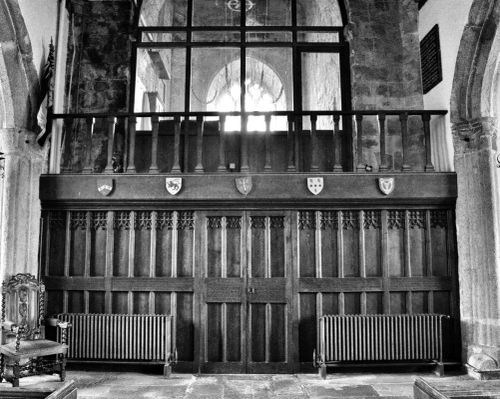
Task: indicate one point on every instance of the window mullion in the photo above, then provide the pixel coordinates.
(189, 38)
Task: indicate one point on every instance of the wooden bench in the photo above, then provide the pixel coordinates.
(114, 338)
(456, 389)
(372, 339)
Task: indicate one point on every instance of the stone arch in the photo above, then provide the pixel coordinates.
(19, 84)
(478, 41)
(474, 130)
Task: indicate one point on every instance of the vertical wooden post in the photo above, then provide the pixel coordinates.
(314, 144)
(199, 145)
(290, 145)
(426, 119)
(381, 129)
(155, 124)
(108, 271)
(384, 259)
(268, 165)
(111, 135)
(176, 167)
(337, 144)
(359, 137)
(88, 158)
(244, 144)
(222, 149)
(132, 124)
(403, 118)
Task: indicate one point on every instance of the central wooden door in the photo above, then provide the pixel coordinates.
(246, 292)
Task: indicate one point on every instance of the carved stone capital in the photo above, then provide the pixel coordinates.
(475, 135)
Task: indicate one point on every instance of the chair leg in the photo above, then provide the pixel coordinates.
(63, 367)
(2, 367)
(16, 371)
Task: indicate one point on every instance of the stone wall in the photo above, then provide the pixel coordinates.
(97, 74)
(98, 64)
(385, 73)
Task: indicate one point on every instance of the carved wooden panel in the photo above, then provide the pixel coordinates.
(373, 262)
(240, 281)
(102, 262)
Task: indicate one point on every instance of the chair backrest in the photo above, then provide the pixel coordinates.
(23, 303)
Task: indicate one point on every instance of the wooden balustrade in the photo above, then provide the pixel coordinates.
(201, 143)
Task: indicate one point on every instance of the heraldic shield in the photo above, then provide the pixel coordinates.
(315, 184)
(173, 185)
(105, 186)
(244, 184)
(386, 185)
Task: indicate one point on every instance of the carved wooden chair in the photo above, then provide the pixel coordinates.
(24, 350)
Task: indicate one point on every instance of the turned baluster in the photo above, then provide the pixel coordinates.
(359, 149)
(267, 165)
(132, 123)
(176, 167)
(297, 136)
(403, 118)
(337, 144)
(89, 122)
(111, 121)
(426, 119)
(155, 124)
(199, 145)
(290, 145)
(314, 144)
(67, 159)
(381, 129)
(187, 125)
(244, 145)
(222, 150)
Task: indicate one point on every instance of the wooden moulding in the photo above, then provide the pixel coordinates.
(66, 390)
(424, 389)
(272, 190)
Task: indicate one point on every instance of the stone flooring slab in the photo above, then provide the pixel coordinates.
(136, 385)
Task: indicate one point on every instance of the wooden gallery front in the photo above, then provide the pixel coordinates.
(246, 226)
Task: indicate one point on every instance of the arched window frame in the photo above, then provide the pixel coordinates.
(298, 47)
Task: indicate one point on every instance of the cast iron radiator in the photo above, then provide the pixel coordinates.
(380, 338)
(121, 337)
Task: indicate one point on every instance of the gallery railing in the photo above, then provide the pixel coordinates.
(259, 142)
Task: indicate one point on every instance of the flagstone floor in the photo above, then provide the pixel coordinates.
(124, 385)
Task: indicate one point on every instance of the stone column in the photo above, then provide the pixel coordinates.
(20, 205)
(478, 231)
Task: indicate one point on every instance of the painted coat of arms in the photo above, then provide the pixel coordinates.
(244, 184)
(315, 184)
(105, 186)
(173, 185)
(386, 185)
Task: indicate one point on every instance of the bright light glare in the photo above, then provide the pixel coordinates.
(256, 99)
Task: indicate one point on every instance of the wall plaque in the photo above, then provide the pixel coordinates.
(430, 55)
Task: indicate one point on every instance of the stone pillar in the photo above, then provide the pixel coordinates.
(19, 201)
(478, 231)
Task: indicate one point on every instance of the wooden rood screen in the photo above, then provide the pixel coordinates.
(246, 287)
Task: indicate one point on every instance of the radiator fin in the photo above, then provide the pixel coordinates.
(119, 337)
(345, 338)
